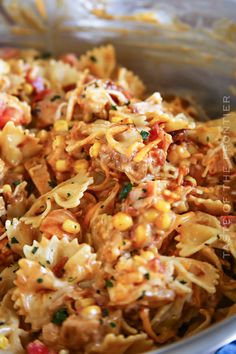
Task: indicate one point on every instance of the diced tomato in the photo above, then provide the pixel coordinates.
(41, 95)
(10, 114)
(38, 85)
(154, 133)
(159, 156)
(227, 220)
(37, 348)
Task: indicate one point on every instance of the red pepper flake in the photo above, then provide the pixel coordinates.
(41, 95)
(154, 133)
(58, 269)
(227, 220)
(37, 348)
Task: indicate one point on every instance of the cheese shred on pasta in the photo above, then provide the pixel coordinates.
(117, 222)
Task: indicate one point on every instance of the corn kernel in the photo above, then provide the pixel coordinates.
(64, 351)
(142, 235)
(148, 255)
(58, 141)
(61, 125)
(162, 205)
(94, 150)
(84, 302)
(91, 311)
(122, 221)
(81, 165)
(61, 166)
(71, 226)
(3, 342)
(28, 89)
(151, 214)
(163, 221)
(178, 153)
(116, 119)
(6, 188)
(42, 135)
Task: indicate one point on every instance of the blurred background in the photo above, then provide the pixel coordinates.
(176, 46)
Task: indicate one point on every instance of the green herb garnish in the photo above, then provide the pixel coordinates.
(16, 183)
(125, 191)
(93, 58)
(112, 324)
(114, 107)
(142, 296)
(34, 250)
(105, 312)
(182, 281)
(144, 135)
(14, 240)
(39, 280)
(60, 316)
(147, 276)
(108, 283)
(54, 98)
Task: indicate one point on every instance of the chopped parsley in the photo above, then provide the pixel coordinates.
(142, 296)
(147, 276)
(39, 280)
(208, 139)
(105, 312)
(68, 195)
(8, 245)
(144, 135)
(182, 281)
(16, 183)
(54, 98)
(93, 58)
(114, 107)
(48, 262)
(52, 184)
(14, 240)
(125, 191)
(60, 316)
(34, 250)
(112, 324)
(108, 283)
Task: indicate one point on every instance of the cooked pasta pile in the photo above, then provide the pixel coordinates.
(117, 225)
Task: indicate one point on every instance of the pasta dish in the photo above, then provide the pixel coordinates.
(117, 209)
